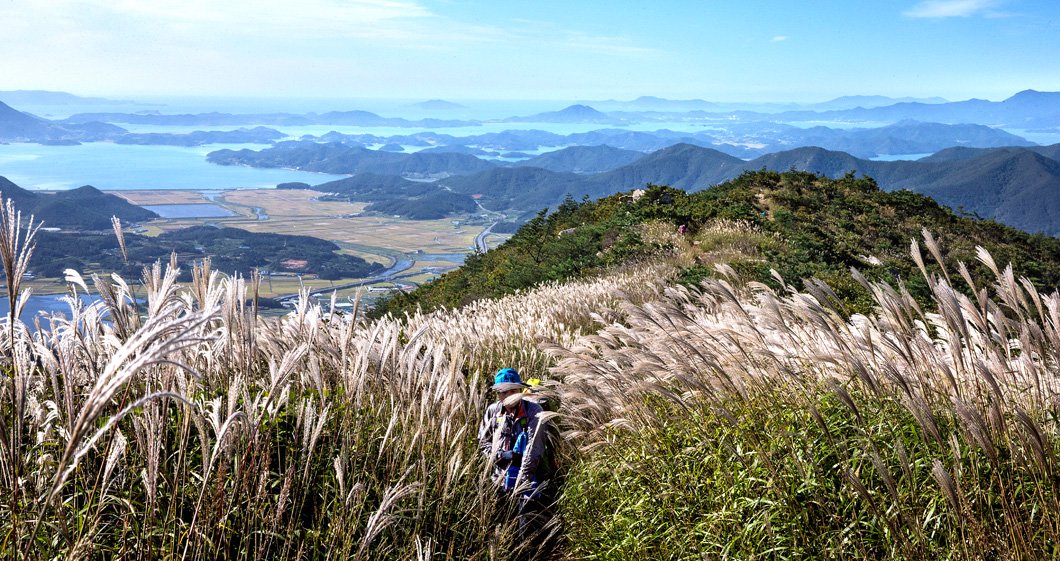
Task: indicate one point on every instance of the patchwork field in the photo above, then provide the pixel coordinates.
(422, 248)
(162, 197)
(297, 212)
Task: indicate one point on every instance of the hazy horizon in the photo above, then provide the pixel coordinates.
(163, 99)
(416, 50)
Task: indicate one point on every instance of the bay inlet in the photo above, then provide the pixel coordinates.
(121, 167)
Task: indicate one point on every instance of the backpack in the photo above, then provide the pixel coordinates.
(549, 400)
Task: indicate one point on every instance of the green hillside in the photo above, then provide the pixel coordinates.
(84, 208)
(432, 206)
(231, 250)
(807, 226)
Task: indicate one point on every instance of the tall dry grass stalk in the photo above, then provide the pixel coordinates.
(188, 426)
(16, 247)
(119, 233)
(981, 361)
(191, 427)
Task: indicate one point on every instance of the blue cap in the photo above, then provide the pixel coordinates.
(508, 379)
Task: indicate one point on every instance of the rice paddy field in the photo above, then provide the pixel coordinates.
(379, 239)
(299, 212)
(729, 420)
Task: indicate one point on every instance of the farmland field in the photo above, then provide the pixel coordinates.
(162, 197)
(382, 239)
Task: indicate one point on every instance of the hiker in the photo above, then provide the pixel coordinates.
(508, 434)
(509, 437)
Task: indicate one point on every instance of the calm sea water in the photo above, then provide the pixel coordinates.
(898, 157)
(296, 132)
(190, 211)
(113, 167)
(1044, 138)
(117, 167)
(475, 109)
(44, 304)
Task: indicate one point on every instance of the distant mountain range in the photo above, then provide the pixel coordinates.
(256, 135)
(974, 165)
(346, 118)
(572, 114)
(84, 208)
(652, 103)
(16, 126)
(583, 159)
(904, 137)
(852, 101)
(43, 97)
(1028, 109)
(914, 127)
(745, 140)
(1017, 186)
(339, 158)
(437, 105)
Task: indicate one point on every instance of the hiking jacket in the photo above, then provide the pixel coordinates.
(498, 431)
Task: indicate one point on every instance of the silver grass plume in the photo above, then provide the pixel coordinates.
(118, 233)
(16, 249)
(160, 337)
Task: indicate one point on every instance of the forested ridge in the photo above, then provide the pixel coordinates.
(808, 226)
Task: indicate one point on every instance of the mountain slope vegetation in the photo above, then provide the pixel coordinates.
(519, 188)
(583, 159)
(17, 126)
(84, 208)
(806, 226)
(432, 206)
(231, 251)
(339, 158)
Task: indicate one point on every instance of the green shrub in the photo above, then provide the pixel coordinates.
(775, 477)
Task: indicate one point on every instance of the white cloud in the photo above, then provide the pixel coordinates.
(952, 8)
(778, 38)
(107, 47)
(331, 13)
(538, 32)
(160, 24)
(398, 20)
(605, 45)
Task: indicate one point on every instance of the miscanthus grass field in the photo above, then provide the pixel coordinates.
(730, 420)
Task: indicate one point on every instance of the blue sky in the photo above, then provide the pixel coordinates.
(772, 50)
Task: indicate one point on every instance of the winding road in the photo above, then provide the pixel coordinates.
(480, 240)
(399, 266)
(389, 274)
